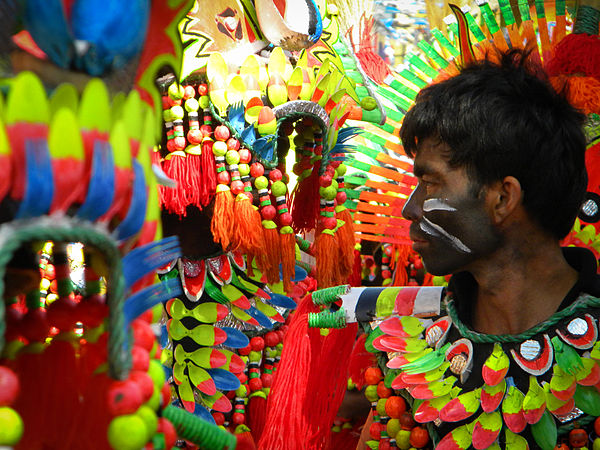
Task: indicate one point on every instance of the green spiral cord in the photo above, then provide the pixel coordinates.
(198, 431)
(14, 234)
(309, 269)
(587, 20)
(329, 295)
(303, 244)
(327, 319)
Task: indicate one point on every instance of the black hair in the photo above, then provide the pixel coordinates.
(505, 119)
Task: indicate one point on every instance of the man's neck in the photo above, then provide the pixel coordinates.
(517, 290)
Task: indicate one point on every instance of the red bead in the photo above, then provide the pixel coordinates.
(124, 397)
(271, 339)
(173, 102)
(256, 170)
(144, 382)
(285, 219)
(245, 155)
(237, 187)
(9, 386)
(340, 198)
(329, 222)
(219, 418)
(168, 430)
(325, 180)
(268, 212)
(179, 142)
(255, 384)
(34, 325)
(275, 175)
(171, 145)
(267, 380)
(245, 351)
(233, 144)
(143, 334)
(222, 133)
(242, 377)
(92, 310)
(223, 177)
(386, 274)
(238, 418)
(140, 358)
(202, 89)
(257, 343)
(194, 136)
(50, 272)
(206, 130)
(188, 92)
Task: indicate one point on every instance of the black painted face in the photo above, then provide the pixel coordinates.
(451, 227)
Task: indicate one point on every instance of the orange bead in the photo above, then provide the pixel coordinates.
(383, 391)
(395, 407)
(373, 375)
(419, 437)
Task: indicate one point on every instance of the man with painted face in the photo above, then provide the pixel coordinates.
(500, 161)
(509, 352)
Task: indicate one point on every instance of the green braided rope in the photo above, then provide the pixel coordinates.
(587, 20)
(329, 295)
(306, 266)
(327, 319)
(582, 303)
(14, 234)
(577, 423)
(198, 431)
(303, 244)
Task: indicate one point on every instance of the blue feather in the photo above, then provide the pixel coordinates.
(261, 318)
(318, 22)
(39, 187)
(101, 188)
(282, 301)
(235, 338)
(147, 258)
(224, 380)
(236, 117)
(134, 220)
(249, 136)
(149, 297)
(265, 146)
(46, 22)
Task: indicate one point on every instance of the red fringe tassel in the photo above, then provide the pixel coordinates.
(222, 220)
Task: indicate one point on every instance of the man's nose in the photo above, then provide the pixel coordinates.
(413, 208)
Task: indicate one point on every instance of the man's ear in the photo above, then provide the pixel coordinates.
(504, 197)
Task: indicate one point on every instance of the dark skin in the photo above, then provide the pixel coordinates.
(521, 273)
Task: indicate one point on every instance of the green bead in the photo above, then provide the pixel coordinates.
(328, 193)
(244, 169)
(232, 157)
(242, 391)
(371, 393)
(191, 104)
(278, 189)
(167, 115)
(177, 112)
(176, 91)
(381, 406)
(149, 417)
(341, 170)
(219, 148)
(255, 356)
(127, 432)
(11, 426)
(261, 182)
(204, 102)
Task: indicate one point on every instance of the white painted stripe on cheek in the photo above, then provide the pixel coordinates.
(433, 229)
(436, 204)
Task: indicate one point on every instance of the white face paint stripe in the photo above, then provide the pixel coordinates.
(436, 204)
(435, 230)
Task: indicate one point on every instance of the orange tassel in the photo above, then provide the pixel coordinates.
(346, 242)
(222, 220)
(174, 199)
(269, 260)
(582, 92)
(247, 236)
(288, 257)
(325, 251)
